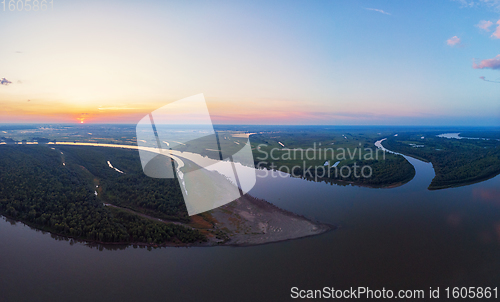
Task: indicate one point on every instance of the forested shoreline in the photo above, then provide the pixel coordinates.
(36, 188)
(456, 161)
(330, 152)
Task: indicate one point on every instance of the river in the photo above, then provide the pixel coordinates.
(400, 238)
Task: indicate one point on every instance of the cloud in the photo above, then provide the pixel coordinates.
(495, 4)
(378, 10)
(466, 3)
(117, 108)
(484, 25)
(484, 79)
(492, 4)
(453, 41)
(4, 81)
(496, 34)
(488, 63)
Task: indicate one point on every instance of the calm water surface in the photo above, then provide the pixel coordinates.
(400, 238)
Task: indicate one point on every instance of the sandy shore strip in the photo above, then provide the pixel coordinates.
(246, 221)
(252, 221)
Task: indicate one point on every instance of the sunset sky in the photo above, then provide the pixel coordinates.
(256, 62)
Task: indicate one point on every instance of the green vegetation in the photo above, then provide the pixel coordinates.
(455, 161)
(36, 188)
(161, 198)
(490, 134)
(52, 187)
(6, 127)
(144, 230)
(348, 148)
(104, 134)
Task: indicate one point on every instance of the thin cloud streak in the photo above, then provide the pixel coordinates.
(495, 4)
(484, 79)
(117, 108)
(466, 3)
(492, 4)
(378, 10)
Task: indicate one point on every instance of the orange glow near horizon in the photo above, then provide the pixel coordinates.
(220, 114)
(222, 111)
(81, 119)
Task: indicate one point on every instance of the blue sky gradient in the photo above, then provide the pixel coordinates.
(260, 62)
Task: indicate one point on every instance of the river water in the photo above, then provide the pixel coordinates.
(400, 238)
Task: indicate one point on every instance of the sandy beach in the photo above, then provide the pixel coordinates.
(252, 221)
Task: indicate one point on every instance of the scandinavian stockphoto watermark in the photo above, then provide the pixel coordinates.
(178, 141)
(332, 157)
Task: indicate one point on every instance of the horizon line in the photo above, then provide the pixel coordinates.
(271, 125)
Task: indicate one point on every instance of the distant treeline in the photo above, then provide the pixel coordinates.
(7, 127)
(492, 134)
(384, 169)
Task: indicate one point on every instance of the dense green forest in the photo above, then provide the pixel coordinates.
(491, 134)
(156, 197)
(384, 169)
(393, 170)
(36, 188)
(455, 161)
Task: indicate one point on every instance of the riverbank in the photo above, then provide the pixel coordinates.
(246, 221)
(457, 161)
(251, 221)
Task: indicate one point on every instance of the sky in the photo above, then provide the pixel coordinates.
(256, 62)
